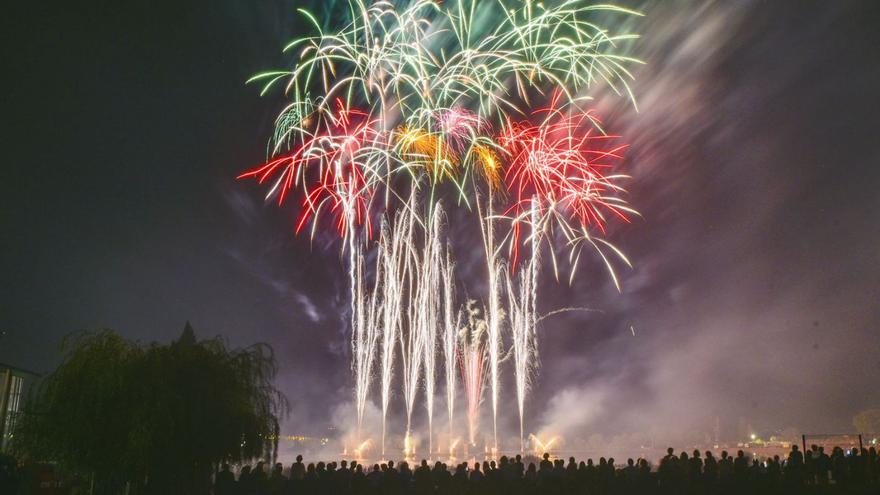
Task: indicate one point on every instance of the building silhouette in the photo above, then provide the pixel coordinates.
(14, 384)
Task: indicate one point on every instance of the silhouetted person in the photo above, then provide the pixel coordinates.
(545, 462)
(298, 469)
(359, 481)
(823, 466)
(695, 468)
(310, 480)
(774, 472)
(530, 478)
(646, 481)
(476, 479)
(725, 471)
(246, 481)
(342, 479)
(794, 466)
(710, 470)
(224, 483)
(874, 466)
(390, 480)
(276, 483)
(631, 475)
(740, 469)
(460, 480)
(422, 479)
(681, 470)
(667, 470)
(493, 477)
(441, 478)
(756, 475)
(259, 479)
(811, 456)
(374, 480)
(609, 474)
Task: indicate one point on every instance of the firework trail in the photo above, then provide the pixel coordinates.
(429, 305)
(408, 288)
(495, 314)
(450, 339)
(523, 319)
(393, 258)
(365, 333)
(472, 360)
(417, 289)
(411, 338)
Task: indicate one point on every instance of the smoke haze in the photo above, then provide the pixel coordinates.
(752, 305)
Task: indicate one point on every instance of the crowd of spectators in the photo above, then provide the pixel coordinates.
(854, 471)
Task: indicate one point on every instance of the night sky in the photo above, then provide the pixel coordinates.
(754, 157)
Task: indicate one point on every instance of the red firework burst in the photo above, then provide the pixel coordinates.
(331, 167)
(557, 172)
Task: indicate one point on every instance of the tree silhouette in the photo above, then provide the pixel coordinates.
(163, 415)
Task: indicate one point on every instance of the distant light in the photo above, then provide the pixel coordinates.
(754, 436)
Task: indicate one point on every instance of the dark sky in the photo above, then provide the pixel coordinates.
(755, 157)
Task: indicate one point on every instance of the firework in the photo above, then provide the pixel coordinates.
(472, 360)
(334, 167)
(523, 318)
(365, 333)
(410, 101)
(429, 303)
(460, 127)
(450, 339)
(392, 248)
(557, 180)
(541, 447)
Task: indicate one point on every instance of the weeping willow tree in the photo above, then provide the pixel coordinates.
(162, 415)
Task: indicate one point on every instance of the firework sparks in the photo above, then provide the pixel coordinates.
(472, 360)
(419, 94)
(449, 338)
(556, 177)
